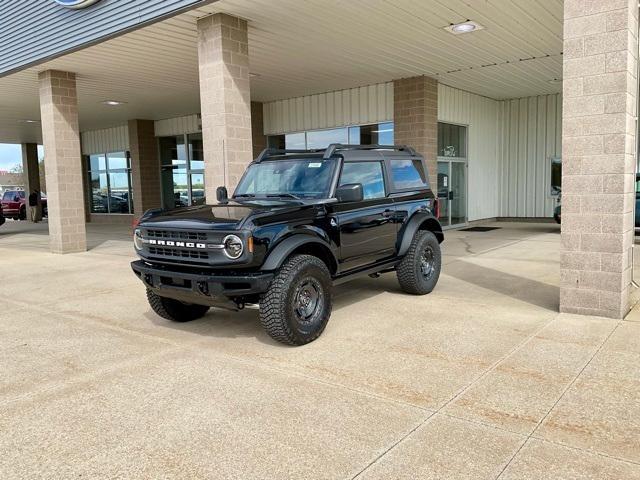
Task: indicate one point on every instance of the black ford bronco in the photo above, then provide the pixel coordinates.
(299, 223)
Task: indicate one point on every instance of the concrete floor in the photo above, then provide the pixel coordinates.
(481, 379)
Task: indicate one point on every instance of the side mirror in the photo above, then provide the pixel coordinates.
(221, 195)
(351, 192)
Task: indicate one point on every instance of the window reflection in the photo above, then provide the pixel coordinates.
(374, 134)
(110, 180)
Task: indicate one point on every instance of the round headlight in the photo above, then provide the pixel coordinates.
(233, 246)
(137, 239)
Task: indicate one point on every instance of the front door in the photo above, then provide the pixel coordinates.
(367, 229)
(452, 192)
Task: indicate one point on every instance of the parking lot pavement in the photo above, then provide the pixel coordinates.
(480, 379)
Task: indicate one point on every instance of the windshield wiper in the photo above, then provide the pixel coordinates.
(244, 195)
(283, 195)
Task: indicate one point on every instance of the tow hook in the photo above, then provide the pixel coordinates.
(203, 288)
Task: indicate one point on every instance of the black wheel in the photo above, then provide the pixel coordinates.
(419, 270)
(23, 213)
(175, 310)
(296, 308)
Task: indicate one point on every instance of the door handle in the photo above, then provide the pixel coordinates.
(450, 194)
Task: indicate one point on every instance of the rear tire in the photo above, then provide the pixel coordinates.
(297, 306)
(174, 309)
(419, 270)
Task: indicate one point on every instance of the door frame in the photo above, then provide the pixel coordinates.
(461, 160)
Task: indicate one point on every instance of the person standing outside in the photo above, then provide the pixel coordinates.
(34, 201)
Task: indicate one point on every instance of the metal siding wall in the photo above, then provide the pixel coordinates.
(361, 105)
(178, 125)
(529, 134)
(33, 31)
(113, 139)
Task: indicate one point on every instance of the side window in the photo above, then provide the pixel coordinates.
(408, 174)
(369, 174)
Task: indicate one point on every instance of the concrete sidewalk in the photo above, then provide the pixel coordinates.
(481, 379)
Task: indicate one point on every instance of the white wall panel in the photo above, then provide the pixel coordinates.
(355, 106)
(113, 139)
(529, 135)
(177, 125)
(480, 114)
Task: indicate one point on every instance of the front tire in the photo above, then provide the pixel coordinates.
(419, 270)
(297, 306)
(23, 214)
(174, 309)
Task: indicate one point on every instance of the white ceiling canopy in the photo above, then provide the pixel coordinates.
(304, 47)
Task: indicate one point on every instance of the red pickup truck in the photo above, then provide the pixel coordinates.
(14, 204)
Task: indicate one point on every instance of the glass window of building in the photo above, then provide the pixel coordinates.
(110, 180)
(182, 165)
(374, 134)
(452, 140)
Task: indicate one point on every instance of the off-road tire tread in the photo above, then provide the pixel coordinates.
(273, 302)
(174, 310)
(406, 271)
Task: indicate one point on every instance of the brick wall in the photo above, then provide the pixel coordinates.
(415, 113)
(145, 166)
(598, 171)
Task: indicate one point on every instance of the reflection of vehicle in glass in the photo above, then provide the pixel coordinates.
(2, 220)
(14, 204)
(557, 212)
(298, 223)
(112, 203)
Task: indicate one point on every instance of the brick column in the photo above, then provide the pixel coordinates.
(31, 173)
(63, 165)
(259, 139)
(415, 119)
(223, 57)
(145, 166)
(598, 156)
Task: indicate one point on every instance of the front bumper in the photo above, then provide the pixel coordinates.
(199, 288)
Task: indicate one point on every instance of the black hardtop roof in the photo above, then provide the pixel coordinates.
(348, 152)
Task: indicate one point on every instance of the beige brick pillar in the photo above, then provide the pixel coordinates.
(598, 155)
(31, 174)
(145, 166)
(63, 165)
(223, 57)
(415, 119)
(259, 139)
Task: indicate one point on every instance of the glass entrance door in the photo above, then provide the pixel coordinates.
(182, 164)
(452, 192)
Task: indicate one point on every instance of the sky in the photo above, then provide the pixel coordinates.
(11, 155)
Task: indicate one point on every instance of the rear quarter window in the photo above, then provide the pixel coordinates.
(408, 174)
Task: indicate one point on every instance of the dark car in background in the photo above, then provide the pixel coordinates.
(2, 220)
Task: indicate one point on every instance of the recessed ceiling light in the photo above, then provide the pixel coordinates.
(112, 103)
(27, 120)
(464, 27)
(251, 74)
(555, 81)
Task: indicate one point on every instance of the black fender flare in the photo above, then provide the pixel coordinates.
(419, 221)
(282, 250)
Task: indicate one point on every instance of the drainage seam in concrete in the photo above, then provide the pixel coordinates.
(562, 394)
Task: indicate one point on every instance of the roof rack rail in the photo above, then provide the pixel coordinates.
(270, 152)
(331, 149)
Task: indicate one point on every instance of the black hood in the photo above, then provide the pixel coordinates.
(221, 216)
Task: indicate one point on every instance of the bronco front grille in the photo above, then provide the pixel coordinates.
(179, 253)
(176, 235)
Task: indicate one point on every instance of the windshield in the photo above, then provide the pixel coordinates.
(11, 194)
(290, 178)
